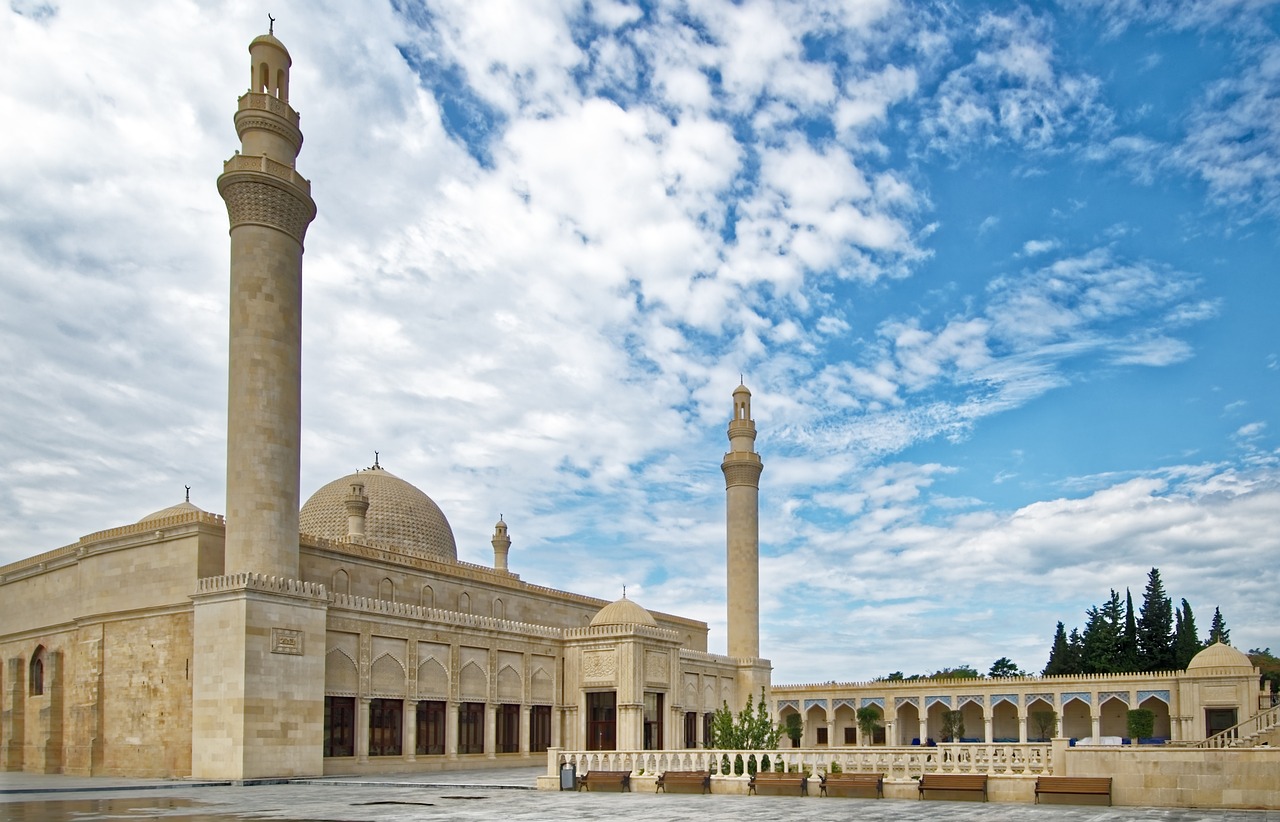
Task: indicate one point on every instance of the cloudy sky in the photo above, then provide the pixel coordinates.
(1001, 278)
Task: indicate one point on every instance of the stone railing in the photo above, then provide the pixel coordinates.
(264, 164)
(257, 101)
(1241, 734)
(895, 763)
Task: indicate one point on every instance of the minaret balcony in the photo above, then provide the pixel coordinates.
(258, 101)
(264, 164)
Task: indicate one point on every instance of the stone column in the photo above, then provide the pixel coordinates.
(362, 729)
(1095, 725)
(451, 729)
(525, 713)
(13, 714)
(490, 730)
(986, 729)
(410, 733)
(924, 728)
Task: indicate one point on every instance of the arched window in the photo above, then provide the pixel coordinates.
(282, 85)
(428, 599)
(264, 75)
(341, 582)
(387, 589)
(36, 673)
(464, 602)
(499, 611)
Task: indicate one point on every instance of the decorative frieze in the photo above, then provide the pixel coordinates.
(257, 202)
(286, 641)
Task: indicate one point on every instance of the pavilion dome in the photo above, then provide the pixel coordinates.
(172, 511)
(1219, 655)
(400, 517)
(623, 612)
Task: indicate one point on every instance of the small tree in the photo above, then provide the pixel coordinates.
(952, 726)
(793, 727)
(868, 720)
(1003, 668)
(1046, 723)
(1141, 724)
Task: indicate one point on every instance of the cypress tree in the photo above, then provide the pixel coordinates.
(1075, 643)
(1186, 642)
(1155, 627)
(1218, 631)
(1129, 637)
(1059, 655)
(1102, 630)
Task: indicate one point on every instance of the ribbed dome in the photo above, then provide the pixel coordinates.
(1219, 655)
(171, 511)
(623, 612)
(400, 517)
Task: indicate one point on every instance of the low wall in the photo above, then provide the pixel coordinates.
(1142, 776)
(1173, 777)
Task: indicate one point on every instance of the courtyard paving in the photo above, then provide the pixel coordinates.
(500, 795)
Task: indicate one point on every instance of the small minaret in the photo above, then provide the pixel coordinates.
(357, 506)
(501, 545)
(742, 467)
(269, 205)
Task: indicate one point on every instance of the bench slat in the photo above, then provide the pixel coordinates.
(953, 782)
(780, 780)
(853, 780)
(1077, 785)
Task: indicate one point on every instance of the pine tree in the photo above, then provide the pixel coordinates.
(1186, 642)
(1059, 655)
(1129, 637)
(1075, 643)
(1155, 627)
(1218, 631)
(1102, 629)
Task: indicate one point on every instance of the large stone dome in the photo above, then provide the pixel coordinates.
(400, 517)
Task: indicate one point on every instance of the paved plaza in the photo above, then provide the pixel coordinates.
(498, 795)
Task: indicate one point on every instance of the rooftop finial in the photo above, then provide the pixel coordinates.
(271, 26)
(375, 460)
(188, 487)
(742, 380)
(624, 592)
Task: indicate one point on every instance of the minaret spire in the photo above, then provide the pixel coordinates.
(269, 205)
(742, 467)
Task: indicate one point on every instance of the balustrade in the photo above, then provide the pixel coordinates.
(896, 763)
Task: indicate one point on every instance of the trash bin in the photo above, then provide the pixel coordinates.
(568, 776)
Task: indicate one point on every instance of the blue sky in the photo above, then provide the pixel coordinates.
(1000, 277)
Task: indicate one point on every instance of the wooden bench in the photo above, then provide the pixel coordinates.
(954, 782)
(778, 779)
(698, 779)
(1080, 785)
(857, 781)
(621, 779)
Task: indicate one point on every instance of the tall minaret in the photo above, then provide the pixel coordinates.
(270, 207)
(742, 467)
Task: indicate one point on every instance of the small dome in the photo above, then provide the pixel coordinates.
(400, 517)
(172, 511)
(1219, 655)
(268, 40)
(623, 612)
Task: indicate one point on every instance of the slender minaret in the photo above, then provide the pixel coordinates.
(742, 467)
(501, 545)
(270, 207)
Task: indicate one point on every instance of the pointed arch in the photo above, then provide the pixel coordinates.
(386, 676)
(387, 590)
(428, 597)
(341, 582)
(464, 602)
(35, 671)
(510, 684)
(433, 679)
(340, 676)
(474, 682)
(499, 610)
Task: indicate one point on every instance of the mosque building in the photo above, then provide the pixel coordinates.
(343, 635)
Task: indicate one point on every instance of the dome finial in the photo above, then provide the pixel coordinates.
(375, 460)
(188, 487)
(271, 24)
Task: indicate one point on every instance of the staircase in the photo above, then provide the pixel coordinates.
(1261, 728)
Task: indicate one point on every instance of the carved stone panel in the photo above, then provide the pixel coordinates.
(599, 665)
